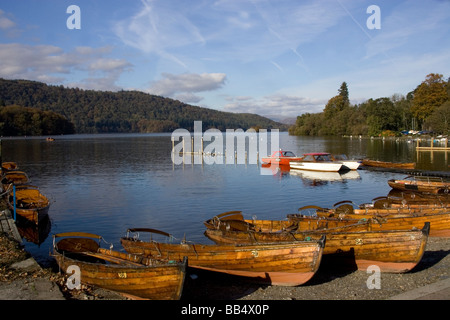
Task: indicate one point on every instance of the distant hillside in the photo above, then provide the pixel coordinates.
(124, 111)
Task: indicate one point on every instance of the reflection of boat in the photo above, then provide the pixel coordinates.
(35, 233)
(136, 276)
(346, 162)
(317, 175)
(316, 161)
(282, 263)
(383, 164)
(30, 203)
(431, 185)
(391, 250)
(281, 158)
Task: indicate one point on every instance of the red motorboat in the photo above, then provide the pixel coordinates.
(281, 158)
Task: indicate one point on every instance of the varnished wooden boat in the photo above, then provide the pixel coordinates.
(391, 218)
(30, 203)
(14, 177)
(131, 275)
(409, 199)
(8, 166)
(384, 164)
(393, 251)
(426, 185)
(290, 263)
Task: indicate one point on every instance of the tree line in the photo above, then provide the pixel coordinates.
(426, 108)
(90, 111)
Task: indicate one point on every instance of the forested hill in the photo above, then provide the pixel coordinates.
(124, 111)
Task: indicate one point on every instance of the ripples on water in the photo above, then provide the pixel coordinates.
(105, 184)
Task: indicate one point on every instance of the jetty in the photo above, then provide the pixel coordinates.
(432, 147)
(8, 225)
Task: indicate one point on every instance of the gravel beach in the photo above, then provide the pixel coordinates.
(27, 281)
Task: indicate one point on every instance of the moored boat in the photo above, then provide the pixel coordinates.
(290, 263)
(316, 161)
(281, 157)
(391, 218)
(14, 177)
(9, 166)
(430, 185)
(347, 163)
(393, 251)
(29, 204)
(134, 276)
(386, 164)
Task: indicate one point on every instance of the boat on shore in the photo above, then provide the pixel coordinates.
(290, 263)
(317, 161)
(432, 185)
(134, 276)
(394, 251)
(281, 157)
(385, 164)
(30, 204)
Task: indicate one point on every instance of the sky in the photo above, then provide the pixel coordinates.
(276, 58)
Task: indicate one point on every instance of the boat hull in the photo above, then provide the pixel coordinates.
(316, 166)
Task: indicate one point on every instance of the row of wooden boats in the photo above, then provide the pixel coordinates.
(24, 199)
(391, 233)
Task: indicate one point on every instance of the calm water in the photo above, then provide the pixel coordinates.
(105, 184)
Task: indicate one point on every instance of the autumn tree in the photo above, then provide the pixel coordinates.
(428, 96)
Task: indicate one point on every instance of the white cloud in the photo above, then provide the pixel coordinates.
(277, 106)
(187, 83)
(5, 22)
(50, 63)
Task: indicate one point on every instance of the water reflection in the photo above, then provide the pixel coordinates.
(105, 184)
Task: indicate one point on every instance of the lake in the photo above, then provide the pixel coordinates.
(104, 184)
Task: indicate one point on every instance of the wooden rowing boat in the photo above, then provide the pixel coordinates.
(290, 263)
(391, 218)
(15, 177)
(424, 184)
(30, 203)
(132, 275)
(408, 199)
(384, 164)
(393, 251)
(8, 166)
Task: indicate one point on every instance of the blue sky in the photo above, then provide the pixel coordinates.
(271, 57)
